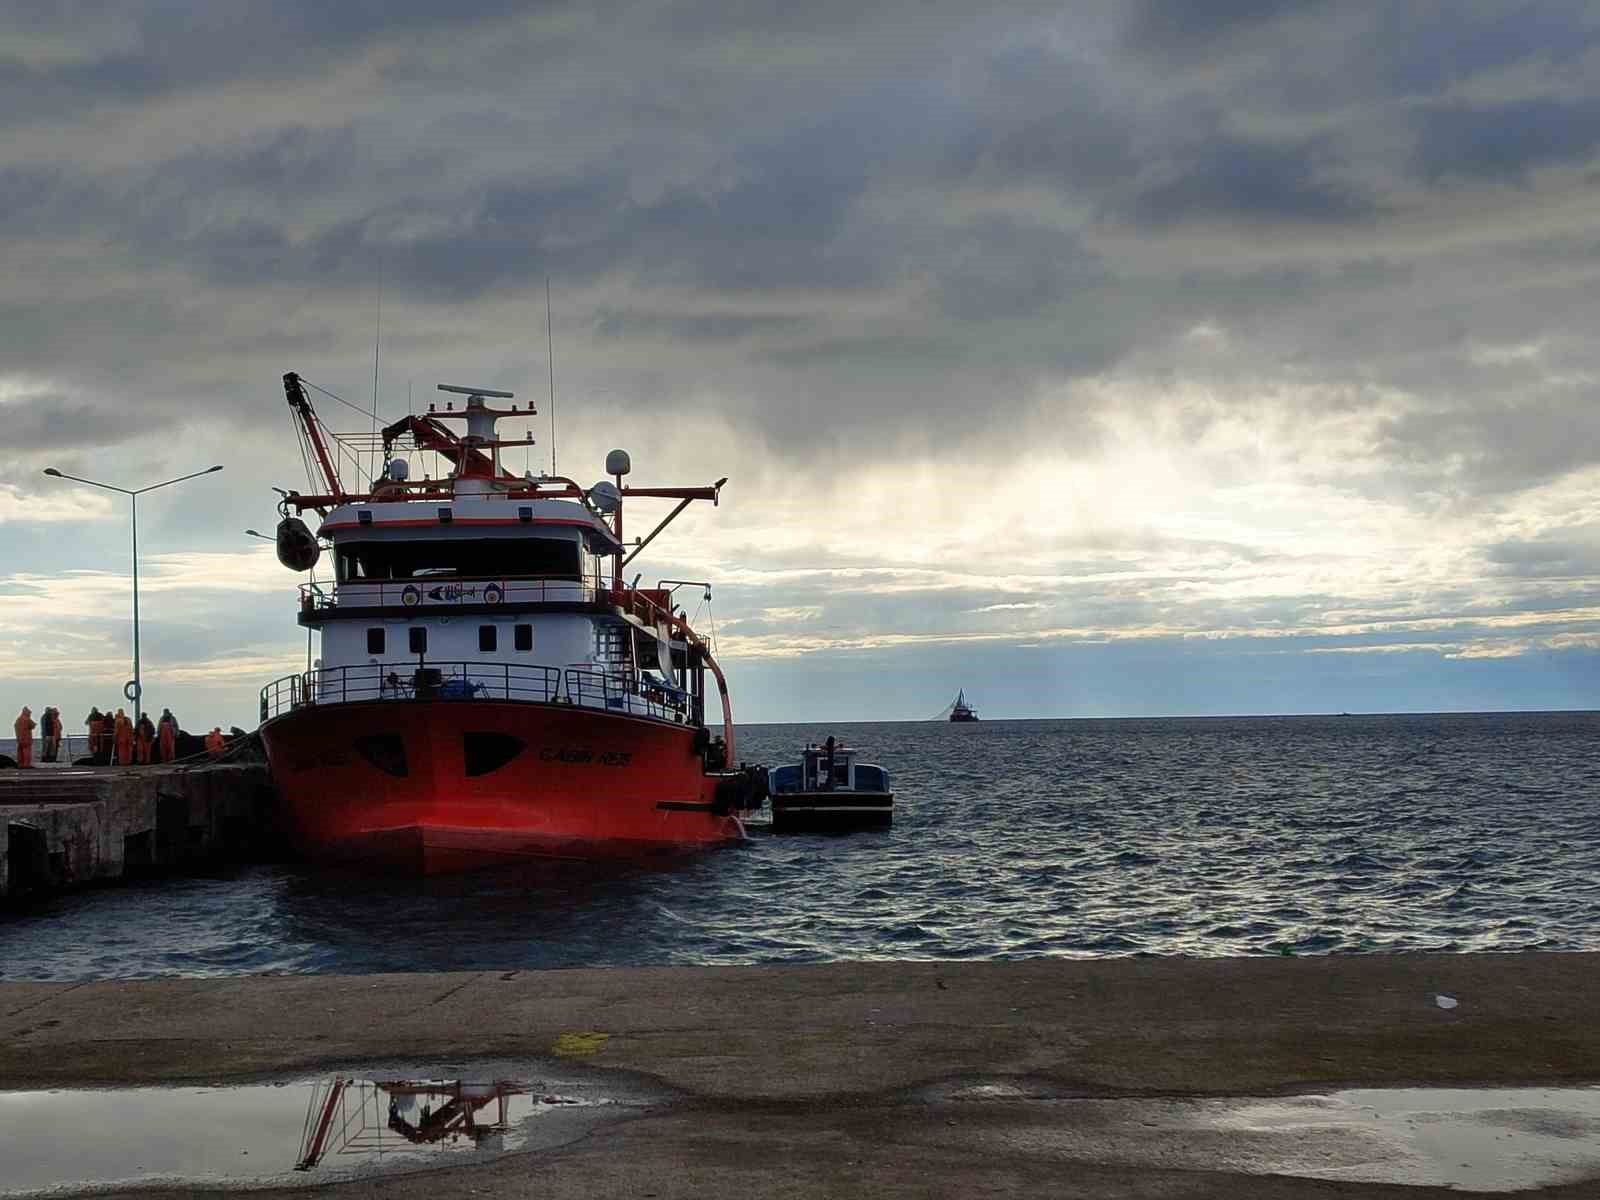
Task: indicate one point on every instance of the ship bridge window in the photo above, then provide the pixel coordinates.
(462, 558)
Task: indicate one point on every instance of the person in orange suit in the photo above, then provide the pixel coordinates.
(123, 732)
(215, 742)
(96, 722)
(24, 727)
(145, 735)
(169, 735)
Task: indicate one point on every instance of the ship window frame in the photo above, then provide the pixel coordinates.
(522, 638)
(417, 639)
(488, 639)
(376, 640)
(555, 554)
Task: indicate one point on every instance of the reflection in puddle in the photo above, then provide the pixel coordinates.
(368, 1119)
(327, 1129)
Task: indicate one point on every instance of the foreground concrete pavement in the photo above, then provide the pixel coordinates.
(826, 1080)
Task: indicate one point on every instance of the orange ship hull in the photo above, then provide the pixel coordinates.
(450, 784)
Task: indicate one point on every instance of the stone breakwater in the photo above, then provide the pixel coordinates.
(73, 827)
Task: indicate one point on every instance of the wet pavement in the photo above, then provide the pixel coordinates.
(1471, 1139)
(342, 1128)
(1248, 1079)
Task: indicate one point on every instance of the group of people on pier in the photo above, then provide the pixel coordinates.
(49, 726)
(120, 739)
(114, 738)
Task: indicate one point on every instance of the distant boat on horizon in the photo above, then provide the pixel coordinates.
(961, 710)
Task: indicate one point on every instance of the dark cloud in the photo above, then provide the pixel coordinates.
(713, 327)
(1177, 27)
(1560, 554)
(1038, 115)
(1490, 447)
(1503, 144)
(998, 268)
(1424, 49)
(179, 47)
(1253, 182)
(859, 214)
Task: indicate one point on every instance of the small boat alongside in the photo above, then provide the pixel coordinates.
(828, 790)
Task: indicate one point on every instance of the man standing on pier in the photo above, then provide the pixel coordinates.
(169, 735)
(96, 721)
(24, 727)
(123, 733)
(50, 732)
(145, 733)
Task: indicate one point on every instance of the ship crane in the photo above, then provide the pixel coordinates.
(429, 434)
(315, 437)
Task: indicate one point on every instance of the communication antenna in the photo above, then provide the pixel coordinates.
(550, 344)
(377, 341)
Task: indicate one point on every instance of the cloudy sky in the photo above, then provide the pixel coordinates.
(1103, 359)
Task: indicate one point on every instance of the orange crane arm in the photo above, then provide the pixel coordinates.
(300, 403)
(431, 435)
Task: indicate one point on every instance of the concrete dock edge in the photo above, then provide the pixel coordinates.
(61, 829)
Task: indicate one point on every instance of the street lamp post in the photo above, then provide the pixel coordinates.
(133, 495)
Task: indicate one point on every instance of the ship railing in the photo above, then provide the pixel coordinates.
(619, 692)
(362, 683)
(440, 592)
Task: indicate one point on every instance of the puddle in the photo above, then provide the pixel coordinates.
(346, 1126)
(307, 1131)
(1482, 1140)
(1474, 1139)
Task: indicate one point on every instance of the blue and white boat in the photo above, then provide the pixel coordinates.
(828, 790)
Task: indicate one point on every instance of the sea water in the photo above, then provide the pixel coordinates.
(1011, 839)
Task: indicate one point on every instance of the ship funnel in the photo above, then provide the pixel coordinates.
(618, 463)
(297, 545)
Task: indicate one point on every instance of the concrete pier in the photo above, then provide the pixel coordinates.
(70, 826)
(864, 1079)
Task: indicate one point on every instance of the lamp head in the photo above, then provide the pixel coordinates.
(52, 471)
(209, 470)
